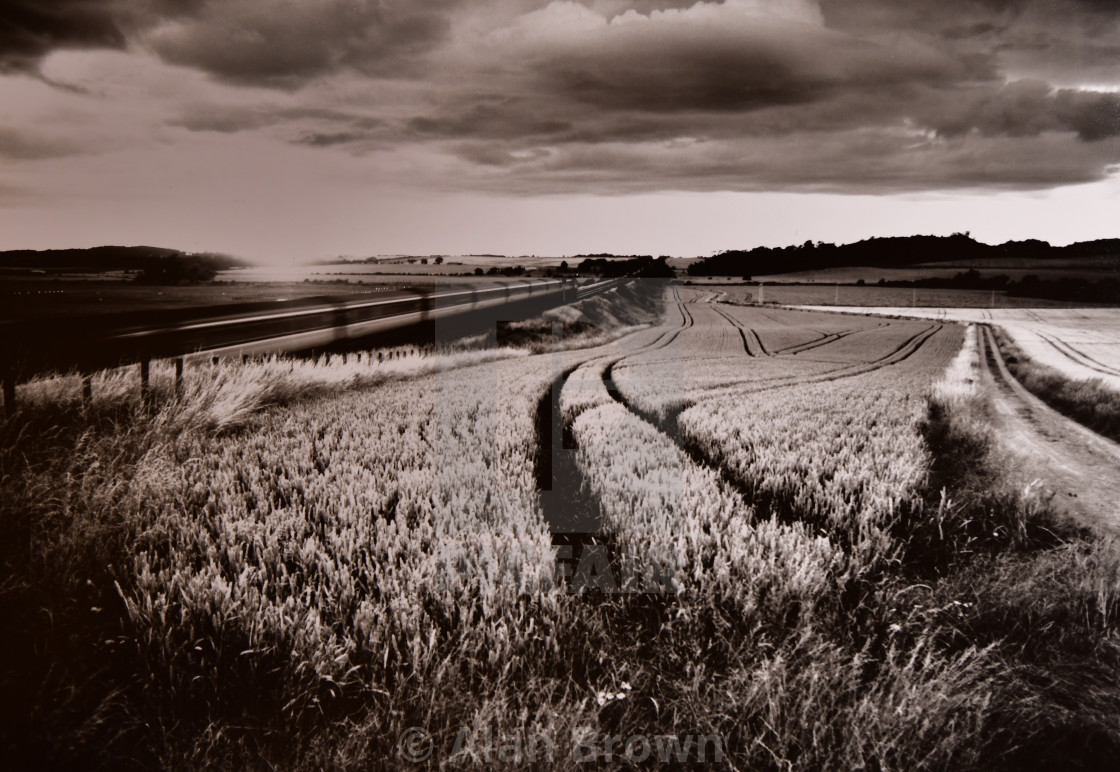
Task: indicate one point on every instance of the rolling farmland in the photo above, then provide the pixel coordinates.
(785, 531)
(560, 385)
(1084, 343)
(823, 295)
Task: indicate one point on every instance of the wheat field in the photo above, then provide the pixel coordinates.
(802, 543)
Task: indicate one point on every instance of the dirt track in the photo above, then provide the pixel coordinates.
(1079, 466)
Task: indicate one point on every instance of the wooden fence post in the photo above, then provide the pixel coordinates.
(178, 376)
(87, 390)
(144, 373)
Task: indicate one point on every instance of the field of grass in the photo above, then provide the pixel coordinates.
(1091, 403)
(1078, 268)
(484, 261)
(870, 296)
(1081, 343)
(806, 551)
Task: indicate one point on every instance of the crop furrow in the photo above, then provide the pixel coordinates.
(573, 515)
(759, 343)
(746, 345)
(1079, 357)
(907, 349)
(747, 334)
(827, 339)
(781, 504)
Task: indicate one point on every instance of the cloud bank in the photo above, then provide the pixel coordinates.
(614, 96)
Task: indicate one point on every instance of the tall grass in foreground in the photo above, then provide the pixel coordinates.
(82, 491)
(974, 505)
(1091, 403)
(223, 395)
(233, 575)
(296, 595)
(1042, 592)
(888, 638)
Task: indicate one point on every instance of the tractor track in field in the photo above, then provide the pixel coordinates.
(746, 334)
(670, 427)
(904, 351)
(671, 335)
(742, 335)
(574, 514)
(825, 339)
(901, 353)
(822, 341)
(1080, 467)
(669, 424)
(783, 322)
(744, 331)
(1078, 356)
(743, 338)
(688, 321)
(766, 504)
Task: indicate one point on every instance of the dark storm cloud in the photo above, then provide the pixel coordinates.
(1093, 116)
(620, 95)
(30, 29)
(1027, 108)
(734, 57)
(282, 43)
(270, 42)
(1060, 37)
(936, 15)
(895, 97)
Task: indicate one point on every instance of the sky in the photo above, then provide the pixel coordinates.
(289, 130)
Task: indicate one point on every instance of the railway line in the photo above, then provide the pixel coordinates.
(95, 343)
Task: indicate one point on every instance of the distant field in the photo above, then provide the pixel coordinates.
(853, 274)
(1102, 264)
(1014, 268)
(832, 295)
(484, 261)
(1081, 342)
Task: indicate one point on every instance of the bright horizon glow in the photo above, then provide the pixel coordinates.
(569, 225)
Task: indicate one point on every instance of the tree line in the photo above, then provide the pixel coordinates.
(892, 252)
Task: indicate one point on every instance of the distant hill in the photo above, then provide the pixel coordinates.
(892, 252)
(110, 258)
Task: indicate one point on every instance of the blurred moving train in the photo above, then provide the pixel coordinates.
(111, 340)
